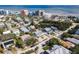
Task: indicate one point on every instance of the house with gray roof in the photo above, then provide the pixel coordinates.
(24, 29)
(73, 40)
(77, 32)
(38, 33)
(48, 30)
(57, 49)
(7, 43)
(2, 25)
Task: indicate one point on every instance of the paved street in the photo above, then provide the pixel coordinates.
(42, 42)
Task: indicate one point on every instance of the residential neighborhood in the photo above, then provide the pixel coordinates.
(38, 32)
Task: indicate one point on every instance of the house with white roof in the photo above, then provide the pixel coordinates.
(16, 32)
(47, 15)
(7, 32)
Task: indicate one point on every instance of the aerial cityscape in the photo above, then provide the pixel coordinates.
(39, 29)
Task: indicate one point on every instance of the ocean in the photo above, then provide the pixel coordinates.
(55, 9)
